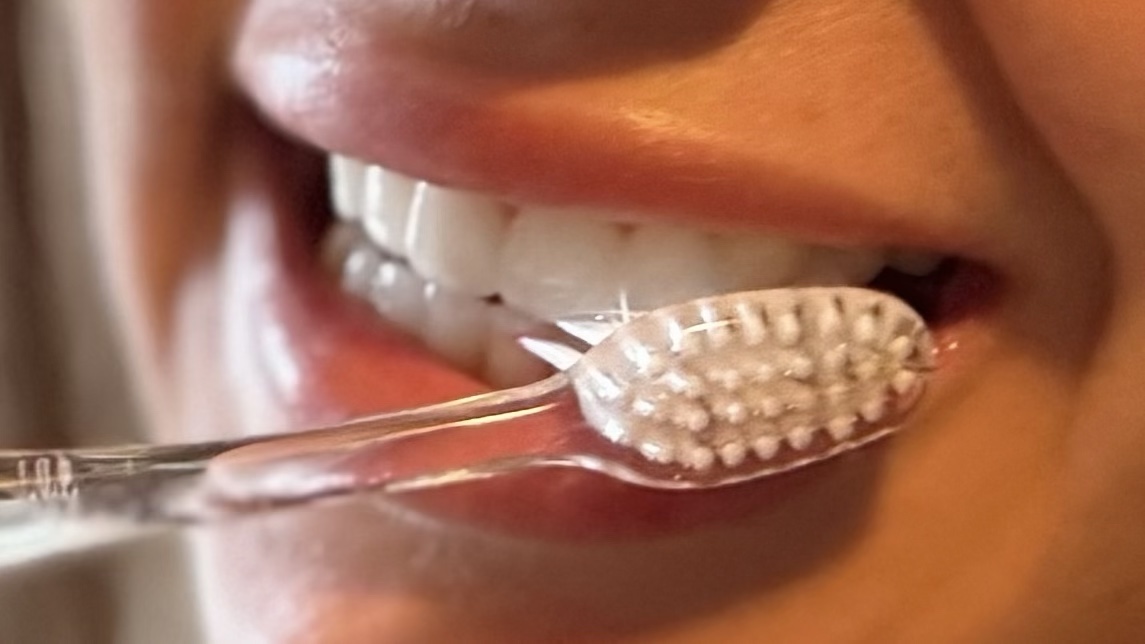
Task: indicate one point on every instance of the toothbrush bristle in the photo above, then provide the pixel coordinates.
(728, 379)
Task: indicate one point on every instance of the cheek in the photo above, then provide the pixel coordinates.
(154, 174)
(1076, 70)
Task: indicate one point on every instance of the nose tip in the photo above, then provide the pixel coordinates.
(565, 37)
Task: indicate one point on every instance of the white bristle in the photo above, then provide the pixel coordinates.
(733, 454)
(800, 438)
(904, 381)
(763, 373)
(751, 325)
(690, 416)
(657, 451)
(801, 368)
(765, 447)
(833, 362)
(872, 411)
(830, 320)
(841, 428)
(725, 378)
(788, 330)
(901, 347)
(865, 330)
(752, 371)
(684, 383)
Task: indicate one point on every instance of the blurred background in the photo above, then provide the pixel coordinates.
(60, 383)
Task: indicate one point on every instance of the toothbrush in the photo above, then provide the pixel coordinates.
(709, 393)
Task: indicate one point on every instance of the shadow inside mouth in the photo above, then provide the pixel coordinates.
(955, 290)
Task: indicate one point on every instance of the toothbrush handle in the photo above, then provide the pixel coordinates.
(59, 501)
(56, 502)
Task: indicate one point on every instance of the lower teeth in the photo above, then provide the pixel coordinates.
(475, 335)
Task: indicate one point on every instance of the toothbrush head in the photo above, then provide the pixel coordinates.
(770, 378)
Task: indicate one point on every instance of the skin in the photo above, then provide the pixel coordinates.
(1010, 513)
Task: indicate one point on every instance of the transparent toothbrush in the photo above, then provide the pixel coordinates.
(709, 393)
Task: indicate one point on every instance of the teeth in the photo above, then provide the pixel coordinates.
(446, 250)
(471, 333)
(667, 263)
(399, 295)
(455, 239)
(386, 209)
(457, 327)
(754, 261)
(358, 269)
(507, 363)
(347, 178)
(558, 262)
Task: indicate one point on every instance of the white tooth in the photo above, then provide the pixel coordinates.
(770, 407)
(386, 208)
(337, 246)
(753, 261)
(669, 264)
(457, 327)
(346, 185)
(455, 238)
(916, 263)
(507, 363)
(399, 295)
(665, 265)
(360, 268)
(841, 266)
(558, 262)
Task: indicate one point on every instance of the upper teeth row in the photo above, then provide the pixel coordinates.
(551, 262)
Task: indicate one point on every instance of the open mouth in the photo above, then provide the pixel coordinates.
(392, 292)
(467, 273)
(463, 213)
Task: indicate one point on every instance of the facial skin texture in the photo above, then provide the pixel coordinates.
(1009, 129)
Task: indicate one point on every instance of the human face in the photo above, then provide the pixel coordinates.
(1005, 133)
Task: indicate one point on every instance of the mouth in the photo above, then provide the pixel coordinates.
(380, 291)
(466, 274)
(382, 258)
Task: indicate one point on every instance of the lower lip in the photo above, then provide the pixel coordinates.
(322, 358)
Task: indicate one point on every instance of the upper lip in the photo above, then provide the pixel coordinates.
(374, 103)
